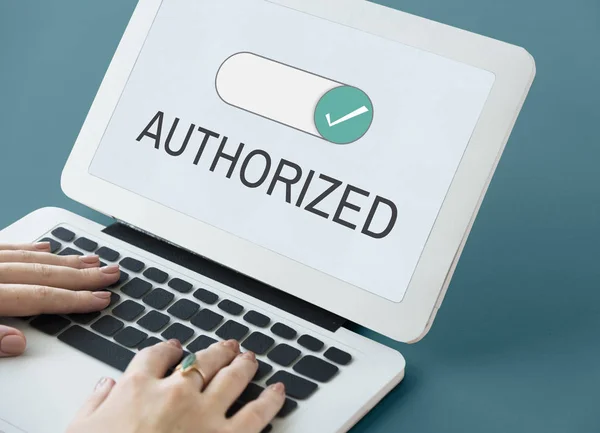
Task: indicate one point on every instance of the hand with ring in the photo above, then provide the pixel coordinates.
(194, 399)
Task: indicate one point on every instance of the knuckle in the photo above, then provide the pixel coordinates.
(255, 416)
(42, 292)
(236, 375)
(135, 380)
(89, 272)
(25, 256)
(43, 270)
(177, 393)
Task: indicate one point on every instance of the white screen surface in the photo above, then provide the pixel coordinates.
(424, 109)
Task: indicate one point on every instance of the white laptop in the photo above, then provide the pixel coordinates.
(276, 169)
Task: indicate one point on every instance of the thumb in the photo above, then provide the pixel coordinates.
(12, 342)
(102, 390)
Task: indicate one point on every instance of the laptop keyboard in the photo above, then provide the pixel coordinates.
(149, 305)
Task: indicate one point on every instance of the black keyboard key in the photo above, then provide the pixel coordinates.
(295, 387)
(257, 318)
(85, 318)
(154, 321)
(132, 264)
(284, 355)
(206, 296)
(251, 393)
(63, 234)
(136, 288)
(316, 369)
(114, 299)
(54, 245)
(130, 337)
(231, 307)
(108, 254)
(235, 408)
(338, 356)
(128, 310)
(283, 331)
(206, 319)
(49, 323)
(97, 347)
(232, 331)
(107, 325)
(178, 331)
(288, 407)
(123, 276)
(184, 309)
(267, 429)
(156, 275)
(158, 298)
(258, 343)
(264, 370)
(180, 285)
(150, 341)
(200, 343)
(86, 244)
(311, 343)
(70, 252)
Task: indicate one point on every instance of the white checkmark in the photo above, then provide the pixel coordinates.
(357, 112)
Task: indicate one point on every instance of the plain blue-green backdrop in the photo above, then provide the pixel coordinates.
(515, 347)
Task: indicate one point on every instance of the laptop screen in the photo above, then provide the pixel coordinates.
(328, 145)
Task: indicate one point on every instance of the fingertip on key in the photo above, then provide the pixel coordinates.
(42, 246)
(110, 269)
(278, 388)
(89, 259)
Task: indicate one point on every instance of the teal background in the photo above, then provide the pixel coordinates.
(515, 347)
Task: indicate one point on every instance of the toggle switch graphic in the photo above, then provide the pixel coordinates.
(296, 98)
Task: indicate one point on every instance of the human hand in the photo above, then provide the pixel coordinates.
(34, 281)
(144, 401)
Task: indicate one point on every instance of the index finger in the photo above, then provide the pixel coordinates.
(38, 246)
(25, 300)
(257, 414)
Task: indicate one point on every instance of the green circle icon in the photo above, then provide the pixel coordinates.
(343, 114)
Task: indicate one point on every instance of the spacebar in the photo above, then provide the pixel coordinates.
(97, 347)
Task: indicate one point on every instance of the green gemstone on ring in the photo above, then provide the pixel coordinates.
(188, 361)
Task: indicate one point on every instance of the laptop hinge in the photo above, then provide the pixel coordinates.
(224, 275)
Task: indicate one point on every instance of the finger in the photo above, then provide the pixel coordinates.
(24, 256)
(12, 342)
(156, 360)
(39, 246)
(256, 415)
(23, 300)
(101, 392)
(58, 276)
(229, 383)
(210, 361)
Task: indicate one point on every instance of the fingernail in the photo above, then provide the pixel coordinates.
(91, 259)
(249, 355)
(175, 342)
(42, 246)
(102, 295)
(232, 344)
(110, 269)
(12, 345)
(278, 387)
(101, 383)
